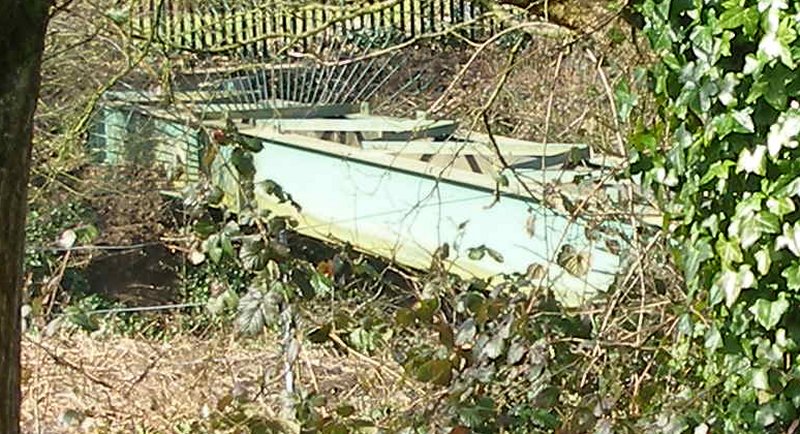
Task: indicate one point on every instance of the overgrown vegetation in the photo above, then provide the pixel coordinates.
(714, 350)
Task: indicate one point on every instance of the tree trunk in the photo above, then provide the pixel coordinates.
(22, 30)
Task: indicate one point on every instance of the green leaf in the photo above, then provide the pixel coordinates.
(257, 309)
(780, 206)
(426, 309)
(718, 170)
(226, 245)
(345, 410)
(713, 339)
(243, 162)
(762, 223)
(227, 300)
(494, 254)
(516, 351)
(730, 283)
(321, 334)
(763, 261)
(694, 256)
(435, 371)
(476, 253)
(204, 227)
(253, 254)
(754, 161)
(625, 99)
(252, 144)
(119, 15)
(465, 335)
(737, 16)
(769, 313)
(759, 379)
(790, 238)
(215, 253)
(729, 251)
(405, 317)
(494, 347)
(792, 276)
(86, 234)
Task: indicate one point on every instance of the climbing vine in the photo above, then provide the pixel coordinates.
(724, 165)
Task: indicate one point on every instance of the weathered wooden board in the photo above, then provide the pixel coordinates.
(384, 127)
(529, 155)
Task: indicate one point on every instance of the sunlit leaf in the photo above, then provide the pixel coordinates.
(257, 309)
(754, 161)
(465, 335)
(769, 313)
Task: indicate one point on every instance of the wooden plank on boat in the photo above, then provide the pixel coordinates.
(469, 147)
(521, 155)
(387, 128)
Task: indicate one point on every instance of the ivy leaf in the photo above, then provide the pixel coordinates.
(763, 261)
(780, 206)
(783, 133)
(626, 101)
(215, 253)
(792, 276)
(731, 283)
(769, 313)
(790, 238)
(713, 339)
(736, 17)
(738, 121)
(727, 93)
(718, 170)
(772, 412)
(753, 162)
(694, 256)
(204, 227)
(729, 251)
(251, 144)
(762, 223)
(212, 248)
(759, 379)
(226, 300)
(226, 245)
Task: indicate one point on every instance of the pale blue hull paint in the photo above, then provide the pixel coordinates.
(416, 212)
(384, 210)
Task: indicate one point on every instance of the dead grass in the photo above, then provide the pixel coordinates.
(86, 384)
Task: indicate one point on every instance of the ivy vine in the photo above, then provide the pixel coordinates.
(724, 165)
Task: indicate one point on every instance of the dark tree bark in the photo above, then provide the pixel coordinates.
(22, 31)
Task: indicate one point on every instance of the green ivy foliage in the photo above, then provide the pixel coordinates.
(724, 164)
